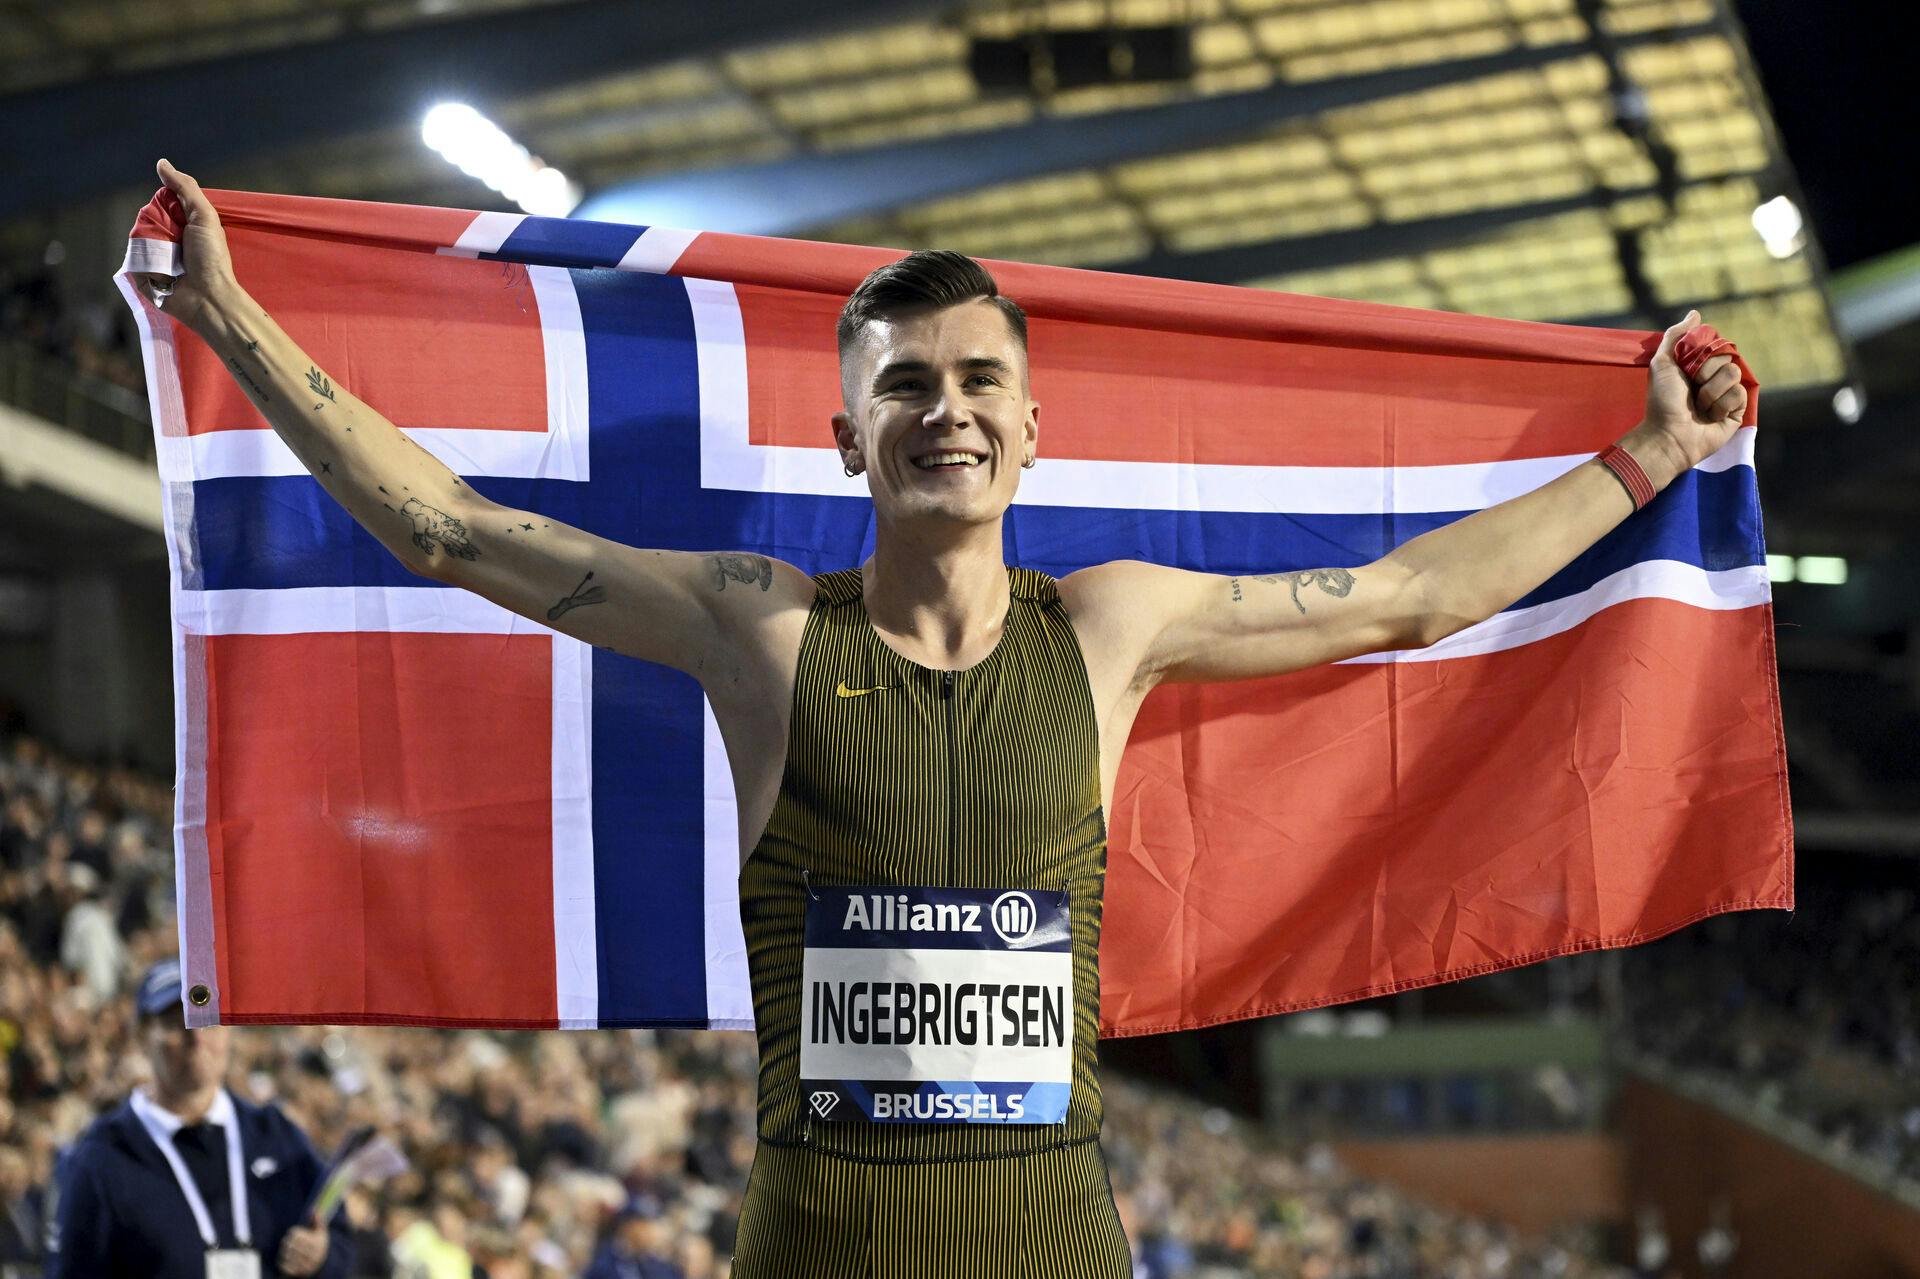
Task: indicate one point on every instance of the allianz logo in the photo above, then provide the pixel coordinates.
(1012, 915)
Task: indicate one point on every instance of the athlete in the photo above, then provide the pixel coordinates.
(934, 724)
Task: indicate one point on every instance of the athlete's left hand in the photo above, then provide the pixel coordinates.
(1696, 417)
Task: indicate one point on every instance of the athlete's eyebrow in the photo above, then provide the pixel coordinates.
(892, 367)
(990, 363)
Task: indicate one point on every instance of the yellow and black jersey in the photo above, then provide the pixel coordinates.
(901, 775)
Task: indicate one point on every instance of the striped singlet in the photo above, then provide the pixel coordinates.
(982, 778)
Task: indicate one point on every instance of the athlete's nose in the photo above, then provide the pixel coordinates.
(948, 410)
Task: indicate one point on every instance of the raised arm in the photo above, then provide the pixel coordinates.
(1183, 626)
(678, 608)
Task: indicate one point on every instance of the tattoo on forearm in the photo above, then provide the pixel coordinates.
(1334, 581)
(582, 596)
(239, 371)
(740, 568)
(318, 381)
(434, 527)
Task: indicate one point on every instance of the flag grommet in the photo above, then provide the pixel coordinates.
(199, 995)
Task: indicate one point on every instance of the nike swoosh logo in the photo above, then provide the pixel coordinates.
(844, 691)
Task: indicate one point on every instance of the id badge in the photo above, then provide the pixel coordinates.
(233, 1263)
(937, 1005)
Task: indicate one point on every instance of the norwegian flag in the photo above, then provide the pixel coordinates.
(400, 803)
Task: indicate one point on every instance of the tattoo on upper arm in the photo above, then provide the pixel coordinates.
(434, 527)
(319, 384)
(1334, 581)
(1235, 583)
(740, 568)
(582, 596)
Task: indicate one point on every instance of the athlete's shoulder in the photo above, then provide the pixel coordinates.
(1033, 586)
(837, 587)
(1118, 591)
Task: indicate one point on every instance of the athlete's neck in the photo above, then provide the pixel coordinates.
(938, 593)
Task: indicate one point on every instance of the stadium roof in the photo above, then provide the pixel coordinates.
(1582, 160)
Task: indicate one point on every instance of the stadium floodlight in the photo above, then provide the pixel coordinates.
(1779, 568)
(481, 149)
(1781, 227)
(1822, 570)
(1848, 404)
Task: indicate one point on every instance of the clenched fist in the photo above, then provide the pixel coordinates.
(207, 269)
(1696, 416)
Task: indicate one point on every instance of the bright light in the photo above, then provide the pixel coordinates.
(1779, 568)
(1823, 570)
(481, 149)
(1780, 226)
(1849, 404)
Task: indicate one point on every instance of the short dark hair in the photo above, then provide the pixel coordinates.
(927, 278)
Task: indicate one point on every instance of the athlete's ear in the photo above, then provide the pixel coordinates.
(845, 440)
(1032, 428)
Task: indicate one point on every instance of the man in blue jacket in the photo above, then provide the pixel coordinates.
(632, 1249)
(185, 1180)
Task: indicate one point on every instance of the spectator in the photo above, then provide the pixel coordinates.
(244, 1172)
(23, 1225)
(632, 1247)
(90, 946)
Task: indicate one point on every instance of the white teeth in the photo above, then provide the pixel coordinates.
(943, 459)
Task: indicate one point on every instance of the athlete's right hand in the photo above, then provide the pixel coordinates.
(207, 267)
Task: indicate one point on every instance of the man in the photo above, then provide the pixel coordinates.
(90, 944)
(185, 1180)
(633, 1246)
(931, 734)
(21, 1214)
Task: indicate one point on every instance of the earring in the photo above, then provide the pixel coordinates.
(850, 471)
(1028, 464)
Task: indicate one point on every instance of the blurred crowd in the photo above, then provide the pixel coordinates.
(1815, 1016)
(575, 1153)
(1547, 1098)
(95, 337)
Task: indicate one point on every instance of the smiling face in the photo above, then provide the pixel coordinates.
(938, 413)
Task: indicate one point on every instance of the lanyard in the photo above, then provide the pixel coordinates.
(236, 1183)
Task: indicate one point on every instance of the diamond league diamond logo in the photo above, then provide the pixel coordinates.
(824, 1101)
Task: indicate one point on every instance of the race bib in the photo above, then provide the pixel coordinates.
(937, 1005)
